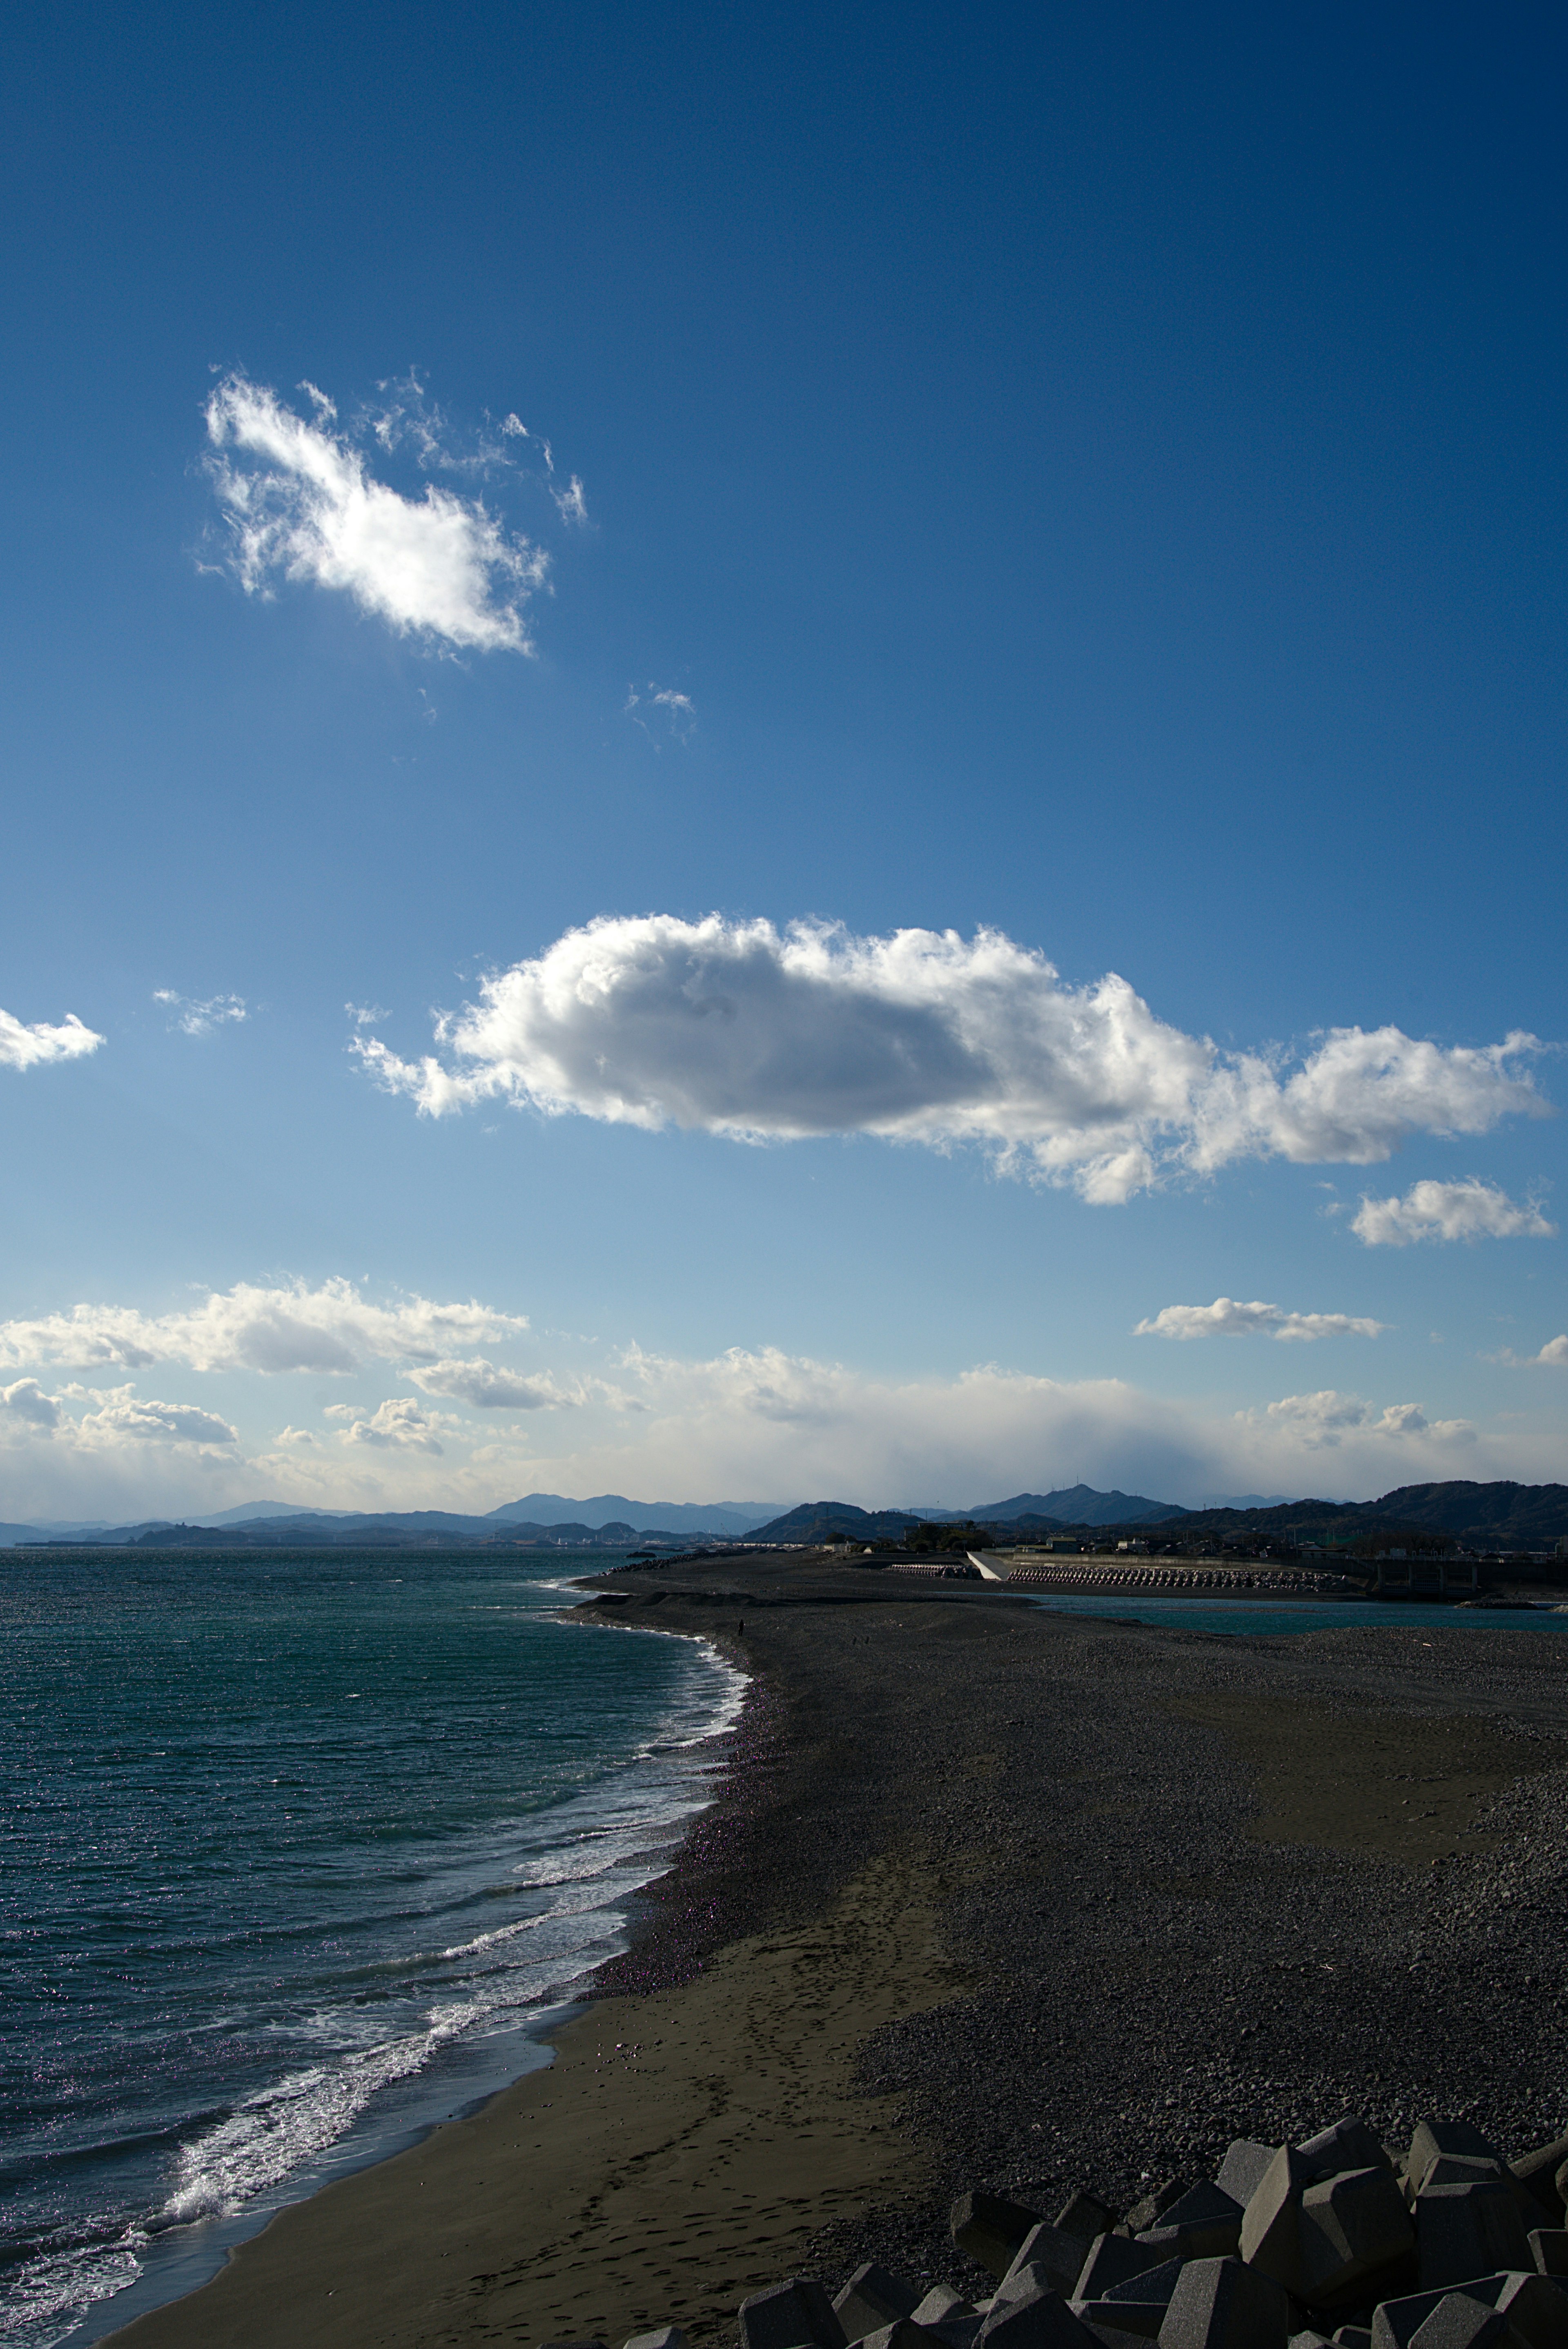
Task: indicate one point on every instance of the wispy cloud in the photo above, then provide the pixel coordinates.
(23, 1047)
(676, 709)
(300, 503)
(332, 1328)
(193, 1018)
(1471, 1210)
(740, 1029)
(1228, 1318)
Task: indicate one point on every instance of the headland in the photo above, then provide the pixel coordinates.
(990, 1896)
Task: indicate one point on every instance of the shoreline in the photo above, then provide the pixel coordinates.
(466, 2074)
(988, 1895)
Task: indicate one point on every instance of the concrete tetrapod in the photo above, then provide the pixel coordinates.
(1225, 2304)
(991, 2230)
(667, 2336)
(1350, 2143)
(872, 2298)
(1244, 2169)
(1352, 2226)
(1204, 2223)
(1271, 2223)
(794, 2316)
(1468, 2230)
(1035, 2320)
(1060, 2255)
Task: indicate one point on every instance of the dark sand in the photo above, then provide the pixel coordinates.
(991, 1896)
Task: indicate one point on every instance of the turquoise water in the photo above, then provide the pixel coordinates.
(296, 1854)
(1256, 1615)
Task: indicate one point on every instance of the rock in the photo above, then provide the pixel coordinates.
(991, 2230)
(1460, 2322)
(1242, 2171)
(1351, 2226)
(871, 2299)
(1550, 2245)
(1537, 2173)
(1271, 2223)
(1060, 2255)
(1113, 2261)
(1204, 2223)
(1462, 2231)
(667, 2336)
(1350, 2143)
(794, 2316)
(1225, 2304)
(1085, 2215)
(1036, 2320)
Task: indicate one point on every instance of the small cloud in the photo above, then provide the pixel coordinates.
(571, 502)
(399, 1424)
(27, 1403)
(300, 503)
(298, 1437)
(368, 1015)
(1471, 1210)
(487, 1388)
(1553, 1356)
(1228, 1318)
(676, 709)
(191, 1017)
(22, 1047)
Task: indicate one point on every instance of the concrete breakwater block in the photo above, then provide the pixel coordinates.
(1336, 2242)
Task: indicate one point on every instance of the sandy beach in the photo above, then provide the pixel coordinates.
(993, 1896)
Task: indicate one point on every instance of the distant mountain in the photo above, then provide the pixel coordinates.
(1243, 1501)
(666, 1517)
(1079, 1505)
(822, 1521)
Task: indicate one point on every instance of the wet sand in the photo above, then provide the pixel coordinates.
(990, 1896)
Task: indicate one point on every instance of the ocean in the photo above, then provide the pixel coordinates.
(301, 1854)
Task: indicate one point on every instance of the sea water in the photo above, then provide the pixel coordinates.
(301, 1853)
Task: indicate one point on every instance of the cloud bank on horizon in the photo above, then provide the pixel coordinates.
(738, 1028)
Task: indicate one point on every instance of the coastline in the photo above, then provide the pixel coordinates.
(992, 1896)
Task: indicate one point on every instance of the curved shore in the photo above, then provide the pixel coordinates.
(993, 1896)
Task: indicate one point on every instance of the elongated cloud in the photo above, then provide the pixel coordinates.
(486, 1387)
(121, 1418)
(1228, 1318)
(1324, 1421)
(1471, 1210)
(300, 505)
(296, 1328)
(737, 1029)
(22, 1047)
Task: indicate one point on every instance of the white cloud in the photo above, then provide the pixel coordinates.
(1554, 1355)
(1470, 1210)
(23, 1047)
(331, 1328)
(1323, 1421)
(679, 711)
(299, 502)
(737, 1029)
(198, 1019)
(399, 1424)
(1228, 1318)
(484, 1387)
(25, 1403)
(159, 1422)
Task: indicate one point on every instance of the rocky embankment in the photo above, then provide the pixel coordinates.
(1333, 2241)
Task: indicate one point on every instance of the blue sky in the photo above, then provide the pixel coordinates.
(743, 730)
